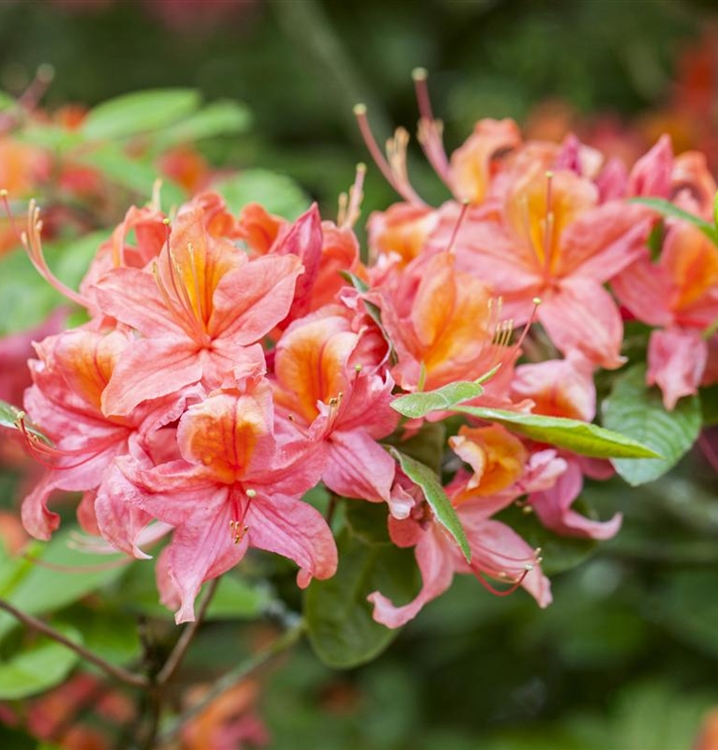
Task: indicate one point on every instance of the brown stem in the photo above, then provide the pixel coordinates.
(183, 643)
(117, 672)
(255, 662)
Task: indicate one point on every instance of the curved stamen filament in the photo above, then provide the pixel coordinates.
(393, 169)
(349, 208)
(32, 242)
(237, 526)
(43, 453)
(459, 221)
(505, 592)
(430, 131)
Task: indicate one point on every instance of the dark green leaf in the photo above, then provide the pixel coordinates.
(666, 208)
(416, 405)
(709, 405)
(368, 521)
(219, 118)
(278, 193)
(638, 411)
(139, 112)
(434, 493)
(38, 668)
(580, 437)
(106, 631)
(427, 445)
(339, 617)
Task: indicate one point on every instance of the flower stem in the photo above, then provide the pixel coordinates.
(180, 649)
(250, 665)
(117, 672)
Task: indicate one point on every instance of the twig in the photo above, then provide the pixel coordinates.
(117, 672)
(180, 649)
(255, 662)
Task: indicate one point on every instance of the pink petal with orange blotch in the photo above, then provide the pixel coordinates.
(676, 361)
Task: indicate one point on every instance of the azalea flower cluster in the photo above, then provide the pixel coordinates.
(232, 363)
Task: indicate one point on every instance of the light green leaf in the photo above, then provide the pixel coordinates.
(9, 417)
(434, 493)
(6, 101)
(38, 668)
(60, 577)
(51, 137)
(669, 209)
(278, 193)
(339, 618)
(218, 118)
(416, 405)
(234, 598)
(132, 173)
(27, 299)
(139, 112)
(580, 437)
(638, 411)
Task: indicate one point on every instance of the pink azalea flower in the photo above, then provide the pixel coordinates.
(552, 240)
(496, 551)
(69, 379)
(565, 388)
(326, 383)
(201, 313)
(237, 485)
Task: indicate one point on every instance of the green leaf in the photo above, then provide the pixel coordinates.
(580, 437)
(139, 112)
(7, 101)
(106, 631)
(42, 666)
(234, 598)
(359, 284)
(434, 493)
(638, 410)
(131, 173)
(9, 416)
(27, 299)
(37, 588)
(74, 255)
(669, 209)
(339, 618)
(51, 137)
(416, 405)
(368, 521)
(237, 599)
(278, 193)
(219, 118)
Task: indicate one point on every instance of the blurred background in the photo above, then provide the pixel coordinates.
(627, 656)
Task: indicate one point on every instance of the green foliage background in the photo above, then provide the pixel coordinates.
(627, 655)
